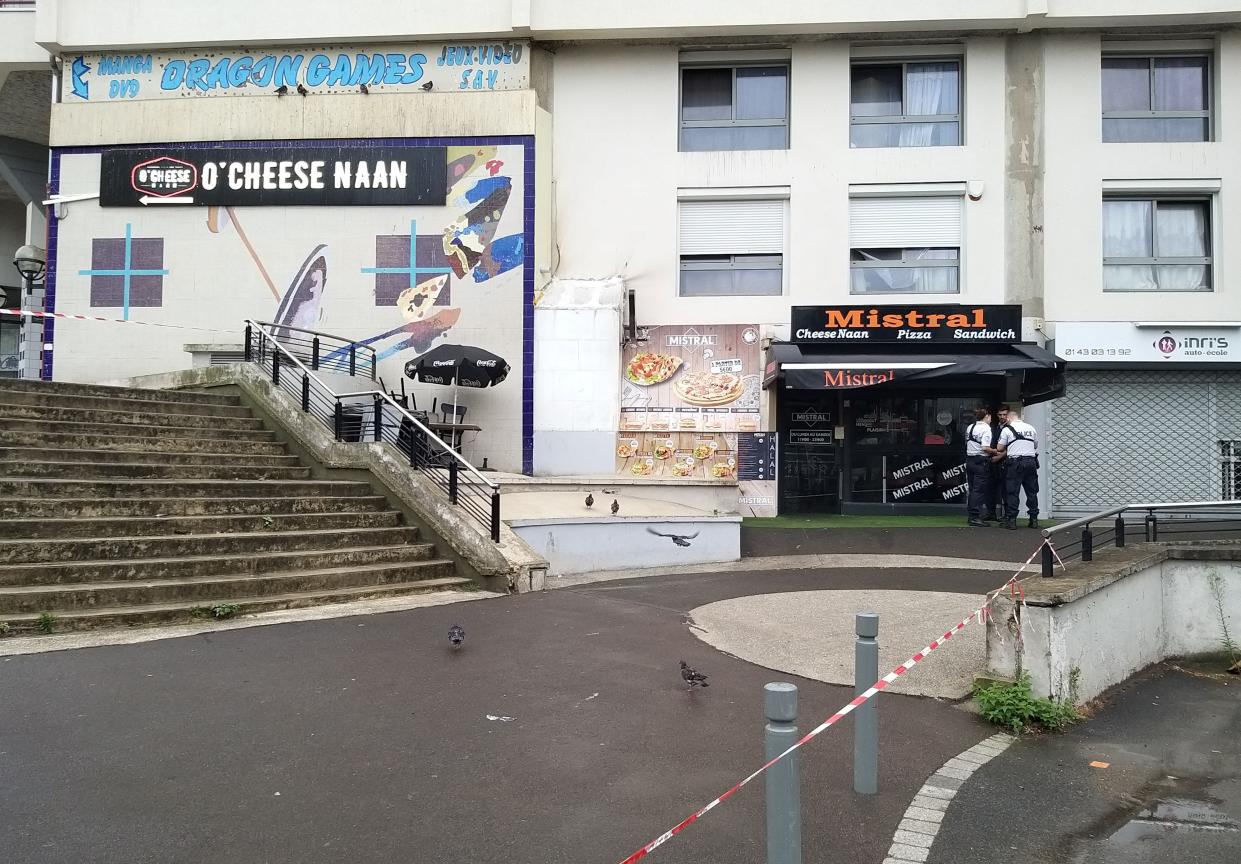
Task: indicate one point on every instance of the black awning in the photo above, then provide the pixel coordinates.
(1041, 372)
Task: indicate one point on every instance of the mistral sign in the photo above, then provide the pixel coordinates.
(433, 67)
(819, 325)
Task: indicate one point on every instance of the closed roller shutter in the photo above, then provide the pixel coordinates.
(732, 227)
(893, 223)
(1130, 437)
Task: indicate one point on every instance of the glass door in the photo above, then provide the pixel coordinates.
(809, 456)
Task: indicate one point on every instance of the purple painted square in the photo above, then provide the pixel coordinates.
(147, 253)
(392, 250)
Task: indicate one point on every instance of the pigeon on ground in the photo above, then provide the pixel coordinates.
(678, 539)
(456, 635)
(282, 89)
(615, 506)
(365, 90)
(428, 85)
(590, 500)
(692, 676)
(302, 91)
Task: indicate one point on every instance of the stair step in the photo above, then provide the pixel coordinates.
(34, 427)
(61, 529)
(33, 599)
(37, 487)
(182, 613)
(206, 566)
(132, 418)
(135, 470)
(159, 507)
(133, 401)
(47, 454)
(26, 385)
(176, 546)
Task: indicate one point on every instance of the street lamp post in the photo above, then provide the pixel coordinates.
(31, 263)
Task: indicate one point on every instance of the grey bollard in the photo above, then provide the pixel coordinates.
(783, 778)
(866, 716)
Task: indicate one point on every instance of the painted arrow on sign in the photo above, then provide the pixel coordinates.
(173, 199)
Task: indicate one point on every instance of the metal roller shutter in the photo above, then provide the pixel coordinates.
(893, 223)
(1122, 437)
(732, 227)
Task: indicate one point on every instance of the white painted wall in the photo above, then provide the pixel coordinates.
(18, 49)
(589, 545)
(1078, 163)
(1166, 610)
(618, 172)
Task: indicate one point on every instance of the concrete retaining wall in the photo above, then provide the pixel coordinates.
(1109, 618)
(587, 545)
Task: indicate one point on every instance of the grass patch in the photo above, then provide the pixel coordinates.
(834, 521)
(1016, 708)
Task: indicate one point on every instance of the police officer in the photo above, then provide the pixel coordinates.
(978, 450)
(996, 490)
(1020, 448)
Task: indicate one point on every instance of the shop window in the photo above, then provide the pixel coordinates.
(731, 248)
(1156, 244)
(1230, 470)
(905, 245)
(908, 104)
(735, 107)
(1160, 98)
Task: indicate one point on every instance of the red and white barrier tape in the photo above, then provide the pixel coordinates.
(30, 313)
(980, 614)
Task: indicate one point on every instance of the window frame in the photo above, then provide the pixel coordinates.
(903, 264)
(1207, 261)
(734, 123)
(732, 267)
(895, 119)
(1207, 114)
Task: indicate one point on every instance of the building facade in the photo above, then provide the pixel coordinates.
(789, 247)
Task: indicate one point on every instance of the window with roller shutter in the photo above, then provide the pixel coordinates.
(905, 245)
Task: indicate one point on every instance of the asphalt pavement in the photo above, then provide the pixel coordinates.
(1166, 786)
(561, 732)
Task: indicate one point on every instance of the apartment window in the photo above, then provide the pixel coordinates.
(735, 107)
(732, 248)
(905, 245)
(1156, 244)
(1161, 98)
(909, 104)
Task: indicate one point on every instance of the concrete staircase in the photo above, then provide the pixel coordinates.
(121, 507)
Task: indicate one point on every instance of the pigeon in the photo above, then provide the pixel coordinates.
(590, 500)
(678, 539)
(302, 91)
(282, 89)
(608, 491)
(456, 635)
(615, 506)
(428, 85)
(365, 90)
(692, 676)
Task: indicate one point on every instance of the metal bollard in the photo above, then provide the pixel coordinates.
(783, 778)
(866, 717)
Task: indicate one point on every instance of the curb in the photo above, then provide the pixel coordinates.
(920, 825)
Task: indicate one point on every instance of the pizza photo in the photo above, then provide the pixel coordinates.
(709, 388)
(646, 369)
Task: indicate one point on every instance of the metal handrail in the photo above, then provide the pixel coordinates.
(357, 345)
(458, 461)
(1150, 523)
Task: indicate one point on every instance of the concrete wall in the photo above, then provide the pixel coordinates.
(18, 49)
(1110, 630)
(588, 545)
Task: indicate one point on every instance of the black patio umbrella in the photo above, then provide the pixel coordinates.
(458, 365)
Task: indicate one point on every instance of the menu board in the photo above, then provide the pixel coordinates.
(682, 455)
(692, 379)
(756, 473)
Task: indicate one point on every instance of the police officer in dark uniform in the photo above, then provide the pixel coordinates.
(1019, 444)
(978, 452)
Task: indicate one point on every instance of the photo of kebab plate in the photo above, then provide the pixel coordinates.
(647, 369)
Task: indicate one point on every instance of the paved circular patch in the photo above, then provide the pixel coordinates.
(810, 633)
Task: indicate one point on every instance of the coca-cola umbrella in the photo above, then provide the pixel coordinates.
(458, 365)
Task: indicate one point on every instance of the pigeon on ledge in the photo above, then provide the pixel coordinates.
(282, 89)
(678, 539)
(456, 635)
(692, 676)
(615, 506)
(590, 500)
(302, 90)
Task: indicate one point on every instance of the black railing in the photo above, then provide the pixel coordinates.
(368, 415)
(1180, 521)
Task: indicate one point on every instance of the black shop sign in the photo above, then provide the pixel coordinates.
(913, 325)
(270, 176)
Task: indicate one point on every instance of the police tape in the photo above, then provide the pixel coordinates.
(980, 614)
(30, 313)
